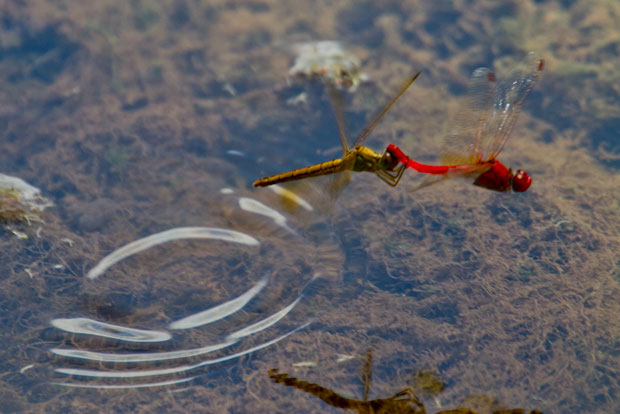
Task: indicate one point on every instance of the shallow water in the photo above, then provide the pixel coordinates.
(139, 119)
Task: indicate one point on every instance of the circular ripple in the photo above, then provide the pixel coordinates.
(196, 297)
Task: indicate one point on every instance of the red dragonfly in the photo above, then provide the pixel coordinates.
(483, 126)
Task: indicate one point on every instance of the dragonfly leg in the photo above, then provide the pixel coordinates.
(399, 172)
(392, 177)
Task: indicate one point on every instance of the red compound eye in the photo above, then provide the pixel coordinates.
(521, 181)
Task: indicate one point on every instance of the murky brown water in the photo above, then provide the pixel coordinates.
(135, 118)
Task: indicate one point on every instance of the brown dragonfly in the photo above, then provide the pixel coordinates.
(358, 158)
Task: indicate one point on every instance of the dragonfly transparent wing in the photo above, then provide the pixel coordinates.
(364, 134)
(431, 179)
(339, 181)
(508, 98)
(463, 143)
(337, 100)
(485, 120)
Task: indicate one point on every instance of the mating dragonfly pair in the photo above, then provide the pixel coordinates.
(470, 150)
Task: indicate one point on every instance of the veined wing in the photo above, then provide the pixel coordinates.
(339, 181)
(508, 99)
(462, 145)
(485, 120)
(364, 134)
(336, 98)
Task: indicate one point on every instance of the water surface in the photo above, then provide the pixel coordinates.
(138, 119)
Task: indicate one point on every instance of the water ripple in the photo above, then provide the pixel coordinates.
(245, 314)
(167, 236)
(108, 330)
(141, 357)
(175, 370)
(221, 311)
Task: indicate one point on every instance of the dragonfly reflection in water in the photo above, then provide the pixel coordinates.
(359, 158)
(403, 402)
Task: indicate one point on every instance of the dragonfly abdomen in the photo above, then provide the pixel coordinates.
(324, 168)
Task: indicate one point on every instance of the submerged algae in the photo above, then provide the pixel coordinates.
(20, 201)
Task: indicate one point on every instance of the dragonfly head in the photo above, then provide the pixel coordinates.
(498, 177)
(521, 181)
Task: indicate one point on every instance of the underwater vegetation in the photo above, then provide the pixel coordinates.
(19, 201)
(10, 208)
(328, 61)
(123, 113)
